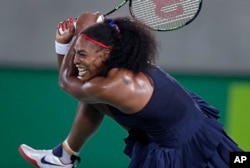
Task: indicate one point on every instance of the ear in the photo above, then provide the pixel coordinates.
(105, 54)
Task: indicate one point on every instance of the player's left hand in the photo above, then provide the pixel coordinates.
(65, 31)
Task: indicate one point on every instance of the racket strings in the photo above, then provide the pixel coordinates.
(146, 11)
(141, 11)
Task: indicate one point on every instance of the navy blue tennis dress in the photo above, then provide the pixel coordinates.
(176, 129)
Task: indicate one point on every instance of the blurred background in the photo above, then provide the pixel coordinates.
(210, 57)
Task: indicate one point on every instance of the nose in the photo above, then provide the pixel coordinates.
(76, 59)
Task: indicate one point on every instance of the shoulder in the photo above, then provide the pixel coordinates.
(122, 89)
(102, 88)
(114, 78)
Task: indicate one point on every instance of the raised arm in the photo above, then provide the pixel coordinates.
(69, 75)
(88, 117)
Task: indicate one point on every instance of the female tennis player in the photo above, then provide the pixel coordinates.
(110, 68)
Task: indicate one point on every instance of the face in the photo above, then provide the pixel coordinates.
(89, 59)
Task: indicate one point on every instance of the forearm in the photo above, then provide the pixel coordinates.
(69, 57)
(68, 80)
(61, 50)
(59, 61)
(66, 67)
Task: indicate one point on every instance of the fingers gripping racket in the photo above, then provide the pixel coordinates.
(163, 15)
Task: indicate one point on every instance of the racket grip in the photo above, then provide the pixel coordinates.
(100, 19)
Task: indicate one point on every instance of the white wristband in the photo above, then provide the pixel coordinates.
(62, 49)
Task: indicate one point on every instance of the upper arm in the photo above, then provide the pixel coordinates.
(120, 90)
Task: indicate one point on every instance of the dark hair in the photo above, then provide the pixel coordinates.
(133, 44)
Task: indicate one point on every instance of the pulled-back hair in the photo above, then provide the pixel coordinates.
(133, 44)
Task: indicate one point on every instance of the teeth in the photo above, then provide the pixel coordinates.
(79, 77)
(82, 71)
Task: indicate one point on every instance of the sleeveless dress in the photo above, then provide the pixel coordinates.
(176, 129)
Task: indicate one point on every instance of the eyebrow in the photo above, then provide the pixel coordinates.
(78, 51)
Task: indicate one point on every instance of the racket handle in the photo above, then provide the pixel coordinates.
(100, 19)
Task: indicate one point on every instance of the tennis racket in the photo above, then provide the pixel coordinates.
(162, 15)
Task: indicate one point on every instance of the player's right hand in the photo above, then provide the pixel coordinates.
(84, 20)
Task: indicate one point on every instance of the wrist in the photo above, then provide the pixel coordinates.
(62, 49)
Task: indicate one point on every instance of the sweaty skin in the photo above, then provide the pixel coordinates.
(129, 95)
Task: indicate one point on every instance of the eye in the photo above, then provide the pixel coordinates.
(80, 54)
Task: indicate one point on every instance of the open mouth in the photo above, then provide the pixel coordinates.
(81, 72)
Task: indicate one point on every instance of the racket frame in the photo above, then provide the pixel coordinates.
(155, 29)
